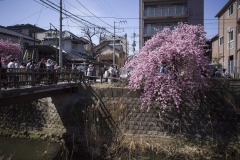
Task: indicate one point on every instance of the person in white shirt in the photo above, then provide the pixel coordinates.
(11, 64)
(10, 69)
(16, 63)
(112, 73)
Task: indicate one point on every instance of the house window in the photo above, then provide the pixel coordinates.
(26, 44)
(238, 27)
(213, 45)
(230, 10)
(221, 41)
(231, 64)
(48, 34)
(74, 46)
(230, 42)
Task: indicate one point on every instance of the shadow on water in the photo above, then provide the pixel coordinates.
(17, 121)
(23, 149)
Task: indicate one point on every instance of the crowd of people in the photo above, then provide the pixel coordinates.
(109, 74)
(14, 66)
(217, 72)
(42, 64)
(91, 72)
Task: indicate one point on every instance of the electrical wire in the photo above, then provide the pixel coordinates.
(107, 7)
(28, 17)
(94, 14)
(72, 16)
(39, 15)
(67, 19)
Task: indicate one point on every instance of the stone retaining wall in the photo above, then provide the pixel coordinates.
(213, 115)
(99, 112)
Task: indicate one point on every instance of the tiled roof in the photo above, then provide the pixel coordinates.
(69, 35)
(26, 26)
(4, 30)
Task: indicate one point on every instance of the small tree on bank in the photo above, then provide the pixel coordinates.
(9, 50)
(184, 68)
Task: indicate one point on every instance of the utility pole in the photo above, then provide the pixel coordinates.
(126, 46)
(229, 29)
(114, 39)
(114, 43)
(60, 37)
(236, 68)
(134, 42)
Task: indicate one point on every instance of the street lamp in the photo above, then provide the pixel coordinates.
(114, 39)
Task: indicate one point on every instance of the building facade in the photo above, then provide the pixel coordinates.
(105, 49)
(16, 37)
(72, 45)
(214, 49)
(26, 29)
(158, 14)
(226, 49)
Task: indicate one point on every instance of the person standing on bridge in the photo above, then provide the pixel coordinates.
(10, 70)
(112, 73)
(42, 69)
(50, 70)
(90, 71)
(3, 73)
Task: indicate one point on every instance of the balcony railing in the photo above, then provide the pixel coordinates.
(166, 11)
(153, 30)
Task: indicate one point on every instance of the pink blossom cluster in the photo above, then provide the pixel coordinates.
(181, 53)
(9, 49)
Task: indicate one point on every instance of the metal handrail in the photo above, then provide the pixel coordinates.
(18, 77)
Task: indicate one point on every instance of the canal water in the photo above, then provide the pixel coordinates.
(23, 149)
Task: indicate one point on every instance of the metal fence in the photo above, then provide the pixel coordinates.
(18, 77)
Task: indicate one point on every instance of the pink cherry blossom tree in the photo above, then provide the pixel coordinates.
(180, 55)
(9, 50)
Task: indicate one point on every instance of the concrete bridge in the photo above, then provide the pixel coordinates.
(20, 85)
(28, 93)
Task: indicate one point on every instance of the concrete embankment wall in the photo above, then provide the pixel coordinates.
(98, 112)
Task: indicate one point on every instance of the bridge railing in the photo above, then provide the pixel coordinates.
(17, 77)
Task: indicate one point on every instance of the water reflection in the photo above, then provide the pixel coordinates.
(24, 149)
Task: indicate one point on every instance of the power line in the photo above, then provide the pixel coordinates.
(39, 14)
(80, 11)
(102, 5)
(67, 19)
(67, 14)
(111, 8)
(28, 17)
(72, 16)
(75, 8)
(93, 14)
(139, 28)
(137, 18)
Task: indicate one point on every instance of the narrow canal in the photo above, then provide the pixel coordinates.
(23, 149)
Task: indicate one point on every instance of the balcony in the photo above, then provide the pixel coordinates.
(149, 31)
(166, 11)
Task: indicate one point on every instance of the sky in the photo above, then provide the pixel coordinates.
(102, 13)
